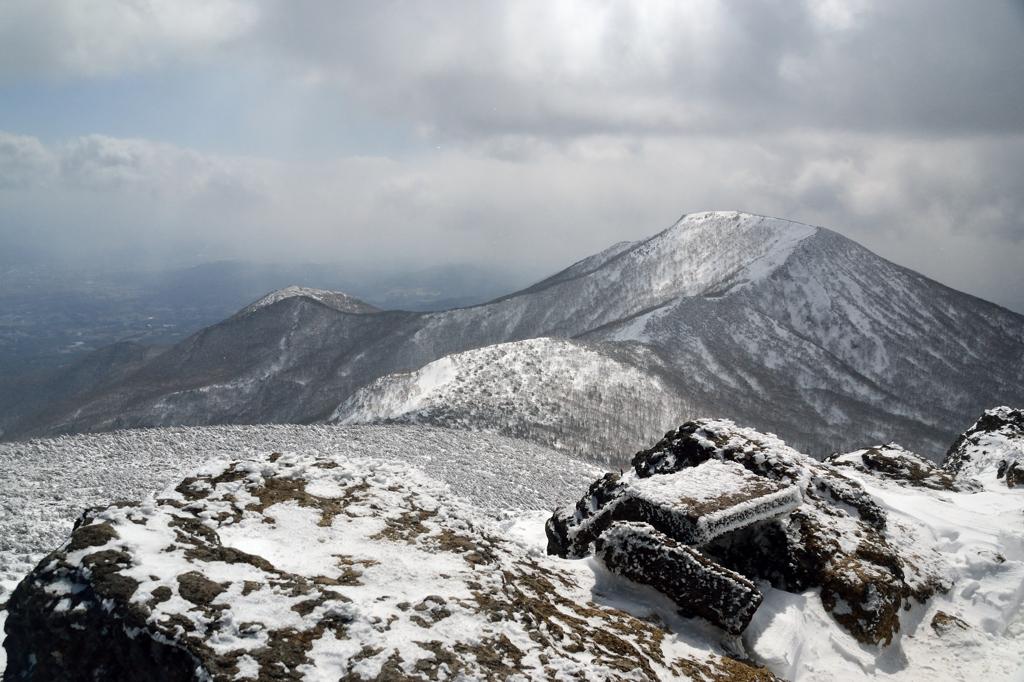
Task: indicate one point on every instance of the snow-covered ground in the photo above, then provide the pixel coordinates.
(45, 484)
(974, 540)
(571, 396)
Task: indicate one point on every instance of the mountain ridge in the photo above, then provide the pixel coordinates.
(784, 326)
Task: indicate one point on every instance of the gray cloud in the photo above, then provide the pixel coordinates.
(953, 209)
(543, 130)
(576, 67)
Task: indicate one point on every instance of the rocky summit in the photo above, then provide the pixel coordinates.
(995, 444)
(722, 554)
(311, 568)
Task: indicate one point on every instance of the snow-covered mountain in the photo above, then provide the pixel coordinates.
(596, 401)
(332, 299)
(787, 327)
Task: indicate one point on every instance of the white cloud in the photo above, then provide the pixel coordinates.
(70, 38)
(23, 161)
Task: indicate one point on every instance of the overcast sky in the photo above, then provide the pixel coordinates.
(523, 134)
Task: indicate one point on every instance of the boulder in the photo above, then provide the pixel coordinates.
(752, 507)
(693, 507)
(993, 448)
(312, 567)
(906, 468)
(640, 553)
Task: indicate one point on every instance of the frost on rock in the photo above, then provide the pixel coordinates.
(640, 553)
(991, 449)
(749, 506)
(894, 463)
(312, 567)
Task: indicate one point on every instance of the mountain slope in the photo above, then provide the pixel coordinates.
(861, 346)
(784, 326)
(597, 401)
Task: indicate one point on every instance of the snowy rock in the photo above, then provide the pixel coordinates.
(640, 553)
(306, 567)
(752, 506)
(992, 449)
(693, 506)
(894, 463)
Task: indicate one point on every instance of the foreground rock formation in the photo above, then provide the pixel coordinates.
(713, 507)
(312, 568)
(875, 564)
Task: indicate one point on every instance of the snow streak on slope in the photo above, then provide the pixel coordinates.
(45, 484)
(591, 400)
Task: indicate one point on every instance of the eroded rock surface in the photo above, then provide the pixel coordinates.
(753, 508)
(894, 463)
(306, 567)
(992, 448)
(642, 554)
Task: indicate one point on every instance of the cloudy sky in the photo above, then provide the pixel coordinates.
(521, 134)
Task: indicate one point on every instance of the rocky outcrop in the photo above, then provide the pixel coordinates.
(731, 505)
(694, 507)
(310, 567)
(640, 553)
(906, 468)
(991, 449)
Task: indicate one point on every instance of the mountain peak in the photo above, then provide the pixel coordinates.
(332, 299)
(751, 245)
(710, 252)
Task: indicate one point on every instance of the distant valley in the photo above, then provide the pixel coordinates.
(51, 316)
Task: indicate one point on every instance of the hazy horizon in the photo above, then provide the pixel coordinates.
(516, 135)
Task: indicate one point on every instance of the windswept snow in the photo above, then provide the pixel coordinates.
(973, 632)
